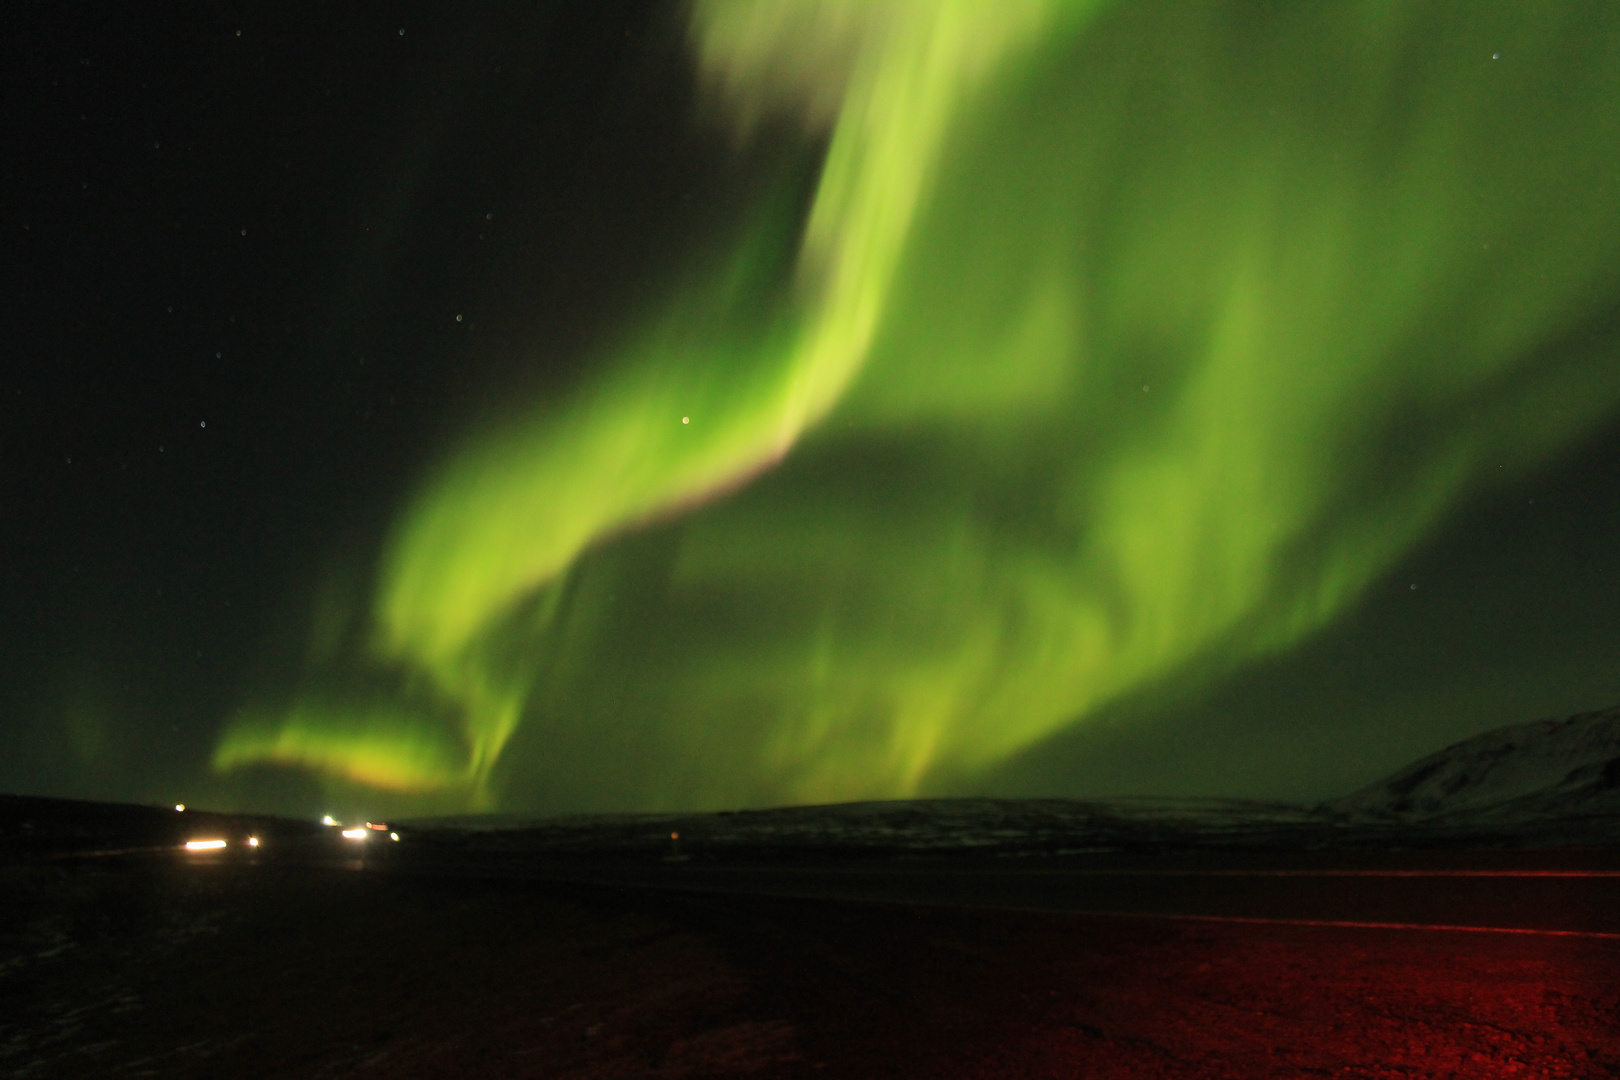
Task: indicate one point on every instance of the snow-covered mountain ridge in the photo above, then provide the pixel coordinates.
(1548, 768)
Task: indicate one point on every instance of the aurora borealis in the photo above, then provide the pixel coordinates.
(1063, 353)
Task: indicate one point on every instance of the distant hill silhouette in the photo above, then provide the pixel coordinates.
(1548, 768)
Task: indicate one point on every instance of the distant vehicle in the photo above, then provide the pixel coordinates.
(362, 832)
(210, 843)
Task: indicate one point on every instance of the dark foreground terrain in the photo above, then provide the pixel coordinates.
(303, 958)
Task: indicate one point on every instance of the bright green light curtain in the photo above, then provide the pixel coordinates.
(1116, 340)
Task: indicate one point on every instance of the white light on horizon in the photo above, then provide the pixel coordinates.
(204, 845)
(354, 834)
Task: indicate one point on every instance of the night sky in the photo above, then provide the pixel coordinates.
(609, 406)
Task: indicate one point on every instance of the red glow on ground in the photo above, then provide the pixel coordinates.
(505, 979)
(1241, 999)
(1424, 928)
(1352, 873)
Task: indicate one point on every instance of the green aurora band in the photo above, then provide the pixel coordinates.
(1116, 343)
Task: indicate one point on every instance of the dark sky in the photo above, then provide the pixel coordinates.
(269, 264)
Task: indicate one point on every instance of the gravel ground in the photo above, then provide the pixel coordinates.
(152, 966)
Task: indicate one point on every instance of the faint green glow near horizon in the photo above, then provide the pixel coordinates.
(1114, 345)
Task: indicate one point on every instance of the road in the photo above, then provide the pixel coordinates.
(1579, 901)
